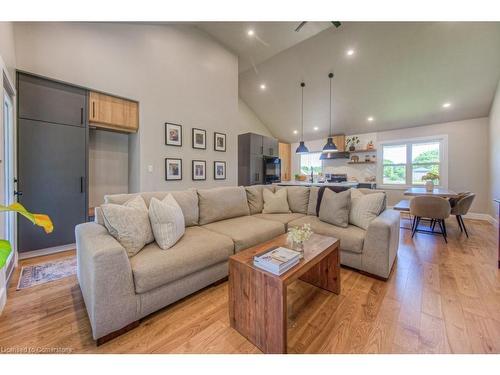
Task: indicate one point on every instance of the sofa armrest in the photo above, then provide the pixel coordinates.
(105, 278)
(381, 244)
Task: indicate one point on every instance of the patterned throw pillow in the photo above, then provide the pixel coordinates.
(129, 224)
(167, 221)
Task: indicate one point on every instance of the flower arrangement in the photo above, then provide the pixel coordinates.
(430, 176)
(301, 234)
(37, 219)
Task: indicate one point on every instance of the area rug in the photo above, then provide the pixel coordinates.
(46, 272)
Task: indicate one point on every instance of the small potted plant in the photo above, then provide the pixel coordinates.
(430, 178)
(351, 142)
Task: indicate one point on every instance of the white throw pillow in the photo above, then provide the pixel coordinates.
(365, 207)
(275, 203)
(129, 224)
(167, 221)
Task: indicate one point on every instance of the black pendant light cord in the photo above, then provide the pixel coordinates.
(331, 76)
(302, 84)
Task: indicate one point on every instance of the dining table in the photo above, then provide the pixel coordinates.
(436, 192)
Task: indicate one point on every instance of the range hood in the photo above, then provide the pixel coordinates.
(334, 155)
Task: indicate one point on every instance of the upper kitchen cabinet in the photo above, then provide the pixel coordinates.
(256, 143)
(110, 112)
(270, 147)
(285, 154)
(50, 101)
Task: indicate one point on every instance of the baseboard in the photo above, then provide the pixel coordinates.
(47, 251)
(478, 216)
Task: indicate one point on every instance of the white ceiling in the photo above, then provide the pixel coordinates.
(269, 39)
(401, 74)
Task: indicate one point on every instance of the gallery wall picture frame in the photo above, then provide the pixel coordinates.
(219, 142)
(173, 169)
(199, 138)
(173, 134)
(199, 170)
(219, 170)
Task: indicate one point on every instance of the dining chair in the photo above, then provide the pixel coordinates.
(436, 209)
(460, 208)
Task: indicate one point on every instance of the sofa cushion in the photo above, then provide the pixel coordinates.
(334, 208)
(129, 224)
(298, 197)
(167, 221)
(365, 208)
(247, 231)
(281, 218)
(313, 200)
(255, 198)
(187, 200)
(198, 249)
(351, 238)
(222, 203)
(275, 203)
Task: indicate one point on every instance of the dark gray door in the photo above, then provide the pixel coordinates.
(256, 169)
(52, 170)
(49, 101)
(256, 146)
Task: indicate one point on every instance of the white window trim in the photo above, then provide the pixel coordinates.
(311, 152)
(443, 160)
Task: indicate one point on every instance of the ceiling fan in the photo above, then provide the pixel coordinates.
(301, 25)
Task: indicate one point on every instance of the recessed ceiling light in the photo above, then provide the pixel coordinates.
(262, 86)
(295, 132)
(350, 52)
(315, 128)
(446, 105)
(250, 32)
(370, 119)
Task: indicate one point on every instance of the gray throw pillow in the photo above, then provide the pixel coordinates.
(334, 208)
(365, 207)
(275, 203)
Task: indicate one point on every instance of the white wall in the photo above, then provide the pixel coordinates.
(468, 158)
(108, 165)
(494, 156)
(249, 120)
(178, 74)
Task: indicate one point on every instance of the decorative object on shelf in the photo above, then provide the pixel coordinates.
(367, 158)
(330, 146)
(199, 139)
(173, 134)
(430, 178)
(302, 149)
(374, 158)
(219, 142)
(219, 170)
(199, 170)
(370, 145)
(173, 169)
(355, 158)
(371, 179)
(40, 220)
(351, 142)
(297, 236)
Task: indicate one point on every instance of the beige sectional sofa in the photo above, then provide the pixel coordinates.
(119, 290)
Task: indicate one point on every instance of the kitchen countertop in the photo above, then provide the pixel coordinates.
(305, 183)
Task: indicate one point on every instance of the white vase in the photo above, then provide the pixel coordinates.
(429, 186)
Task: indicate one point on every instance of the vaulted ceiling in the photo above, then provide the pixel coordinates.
(399, 74)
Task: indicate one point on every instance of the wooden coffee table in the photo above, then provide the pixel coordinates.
(257, 298)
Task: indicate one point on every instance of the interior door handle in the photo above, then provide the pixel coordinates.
(81, 116)
(93, 110)
(82, 180)
(18, 193)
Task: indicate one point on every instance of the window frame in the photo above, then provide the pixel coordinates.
(443, 161)
(309, 153)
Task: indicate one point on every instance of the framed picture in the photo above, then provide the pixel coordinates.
(199, 170)
(219, 170)
(173, 134)
(219, 142)
(199, 138)
(173, 169)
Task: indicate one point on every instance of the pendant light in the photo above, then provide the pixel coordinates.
(330, 146)
(302, 149)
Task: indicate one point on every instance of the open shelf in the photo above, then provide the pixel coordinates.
(359, 151)
(361, 162)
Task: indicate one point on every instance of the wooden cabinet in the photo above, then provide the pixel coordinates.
(110, 112)
(285, 154)
(339, 141)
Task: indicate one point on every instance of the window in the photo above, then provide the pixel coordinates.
(406, 162)
(310, 162)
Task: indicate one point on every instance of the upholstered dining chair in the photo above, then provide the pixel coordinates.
(430, 207)
(460, 208)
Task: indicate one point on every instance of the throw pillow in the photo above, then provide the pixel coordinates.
(275, 203)
(365, 207)
(129, 224)
(313, 200)
(167, 221)
(334, 208)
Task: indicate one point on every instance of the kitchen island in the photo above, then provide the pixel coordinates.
(346, 185)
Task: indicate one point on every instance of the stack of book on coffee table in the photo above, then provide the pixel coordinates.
(277, 261)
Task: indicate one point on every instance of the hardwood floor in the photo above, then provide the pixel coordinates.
(439, 299)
